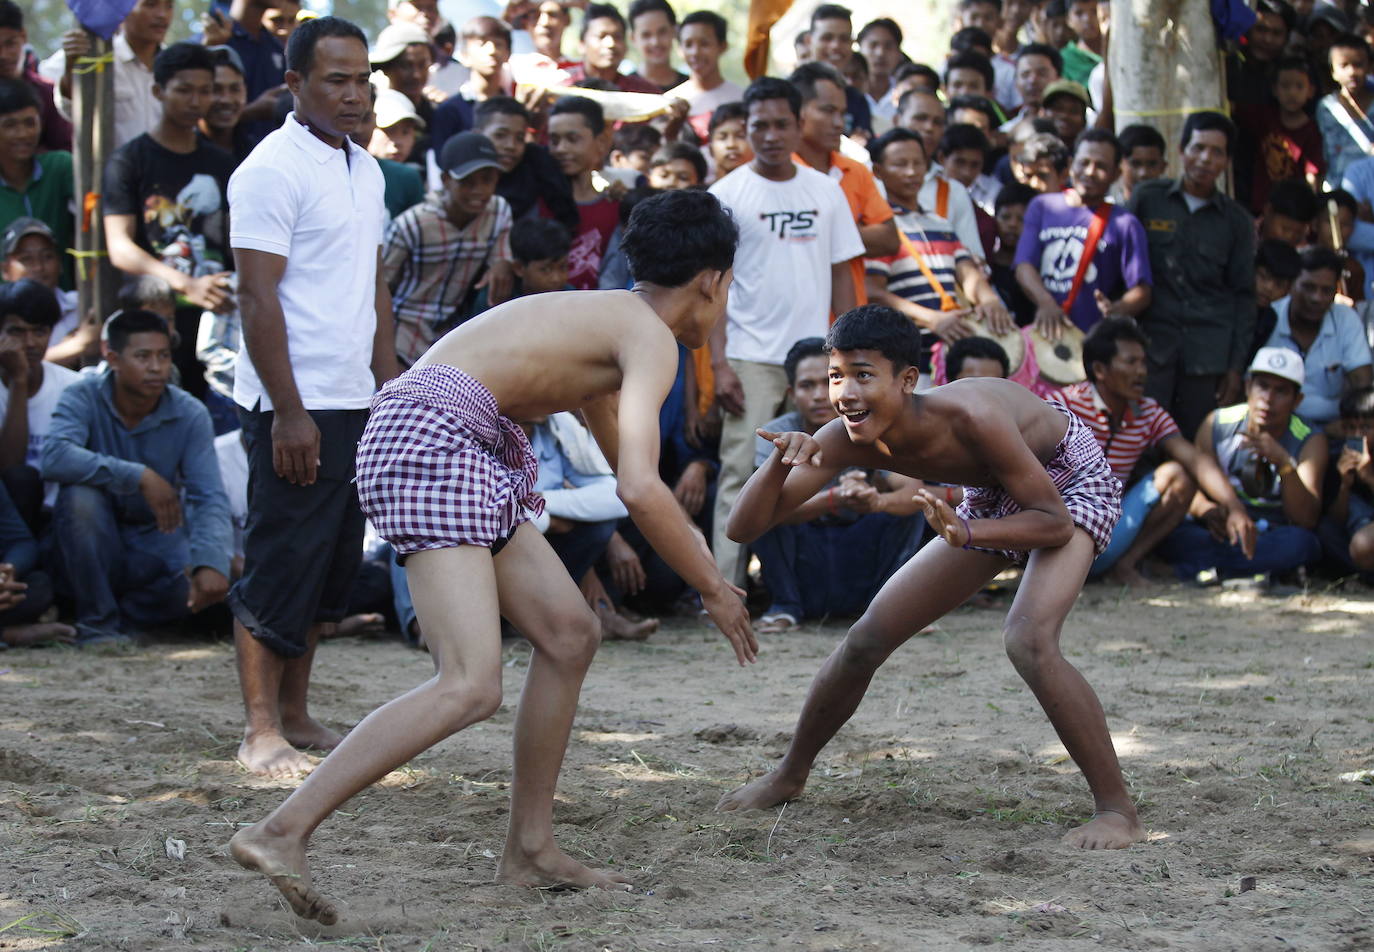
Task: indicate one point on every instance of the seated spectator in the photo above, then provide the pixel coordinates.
(832, 555)
(28, 249)
(1276, 268)
(1142, 158)
(30, 393)
(1289, 214)
(1275, 464)
(976, 357)
(632, 146)
(33, 185)
(221, 125)
(15, 65)
(1042, 162)
(603, 50)
(26, 591)
(140, 36)
(405, 186)
(727, 140)
(1082, 258)
(484, 48)
(1285, 137)
(539, 259)
(127, 448)
(702, 38)
(1335, 226)
(1329, 337)
(579, 140)
(963, 154)
(530, 177)
(1009, 211)
(653, 27)
(1345, 117)
(402, 56)
(439, 252)
(1350, 520)
(1127, 425)
(677, 165)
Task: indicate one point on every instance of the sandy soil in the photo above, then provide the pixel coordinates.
(932, 822)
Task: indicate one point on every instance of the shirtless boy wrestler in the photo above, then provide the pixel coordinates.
(1037, 491)
(447, 478)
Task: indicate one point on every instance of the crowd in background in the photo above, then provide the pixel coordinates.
(1211, 327)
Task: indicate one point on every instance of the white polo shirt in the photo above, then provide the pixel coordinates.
(300, 198)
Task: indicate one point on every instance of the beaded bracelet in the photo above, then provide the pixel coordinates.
(968, 533)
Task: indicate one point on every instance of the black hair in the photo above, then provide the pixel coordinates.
(1057, 9)
(673, 151)
(674, 236)
(1095, 134)
(1139, 136)
(300, 48)
(1343, 199)
(1358, 404)
(588, 109)
(596, 82)
(1281, 9)
(125, 324)
(965, 4)
(15, 94)
(974, 61)
(1045, 50)
(641, 7)
(636, 137)
(498, 106)
(726, 112)
(882, 23)
(1208, 120)
(11, 15)
(714, 20)
(980, 103)
(805, 77)
(878, 146)
(770, 87)
(1279, 258)
(1320, 258)
(224, 56)
(830, 11)
(31, 302)
(142, 292)
(802, 349)
(979, 348)
(181, 57)
(1100, 346)
(961, 136)
(911, 93)
(857, 59)
(1013, 193)
(1292, 198)
(1294, 64)
(533, 238)
(970, 39)
(447, 35)
(1349, 41)
(1043, 145)
(473, 28)
(907, 70)
(601, 11)
(877, 327)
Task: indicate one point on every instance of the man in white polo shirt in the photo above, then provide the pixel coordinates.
(318, 338)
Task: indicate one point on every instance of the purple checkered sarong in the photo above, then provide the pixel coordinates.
(439, 466)
(1091, 492)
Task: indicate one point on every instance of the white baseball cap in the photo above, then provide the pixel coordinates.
(1281, 362)
(393, 107)
(393, 40)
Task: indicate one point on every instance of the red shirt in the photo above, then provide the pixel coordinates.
(1281, 152)
(1144, 425)
(597, 221)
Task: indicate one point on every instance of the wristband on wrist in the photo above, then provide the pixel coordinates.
(949, 495)
(830, 501)
(968, 533)
(1288, 468)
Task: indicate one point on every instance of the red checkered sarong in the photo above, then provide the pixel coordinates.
(1091, 492)
(439, 466)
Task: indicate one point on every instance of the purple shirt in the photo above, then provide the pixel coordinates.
(1053, 241)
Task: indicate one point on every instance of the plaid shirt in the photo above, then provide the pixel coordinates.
(430, 265)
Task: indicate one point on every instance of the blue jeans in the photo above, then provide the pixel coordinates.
(120, 574)
(1191, 549)
(224, 413)
(816, 570)
(1136, 505)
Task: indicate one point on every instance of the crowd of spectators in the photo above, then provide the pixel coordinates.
(1212, 327)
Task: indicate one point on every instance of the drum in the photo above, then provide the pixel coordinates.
(1061, 361)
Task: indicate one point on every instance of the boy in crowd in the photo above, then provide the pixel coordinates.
(1009, 211)
(728, 141)
(1085, 51)
(1289, 213)
(440, 252)
(831, 555)
(797, 237)
(28, 249)
(579, 140)
(1345, 118)
(1142, 159)
(923, 113)
(832, 42)
(1066, 104)
(1038, 491)
(1285, 137)
(396, 128)
(402, 54)
(1276, 268)
(968, 74)
(677, 165)
(632, 146)
(530, 177)
(1334, 229)
(33, 185)
(454, 508)
(603, 50)
(405, 187)
(485, 50)
(1037, 65)
(652, 27)
(976, 357)
(14, 65)
(1351, 515)
(1275, 464)
(702, 37)
(127, 448)
(973, 39)
(880, 41)
(963, 154)
(1082, 258)
(228, 95)
(1042, 162)
(539, 259)
(1250, 72)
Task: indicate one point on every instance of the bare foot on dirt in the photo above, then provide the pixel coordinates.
(1107, 831)
(26, 636)
(552, 868)
(1128, 575)
(616, 627)
(309, 734)
(283, 862)
(367, 626)
(767, 791)
(268, 754)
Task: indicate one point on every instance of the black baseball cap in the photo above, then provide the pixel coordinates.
(467, 152)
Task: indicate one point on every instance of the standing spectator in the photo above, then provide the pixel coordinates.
(797, 236)
(1285, 138)
(33, 185)
(1009, 211)
(968, 74)
(14, 64)
(263, 59)
(1250, 71)
(485, 51)
(832, 41)
(702, 37)
(135, 47)
(653, 27)
(1066, 104)
(1329, 337)
(127, 447)
(728, 140)
(1334, 227)
(318, 336)
(578, 140)
(165, 213)
(1083, 54)
(1142, 159)
(923, 113)
(986, 17)
(1037, 65)
(530, 177)
(403, 56)
(1042, 162)
(221, 125)
(1202, 259)
(1345, 117)
(880, 41)
(603, 50)
(962, 155)
(1082, 258)
(441, 252)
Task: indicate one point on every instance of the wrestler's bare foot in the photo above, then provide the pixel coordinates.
(617, 627)
(1128, 575)
(1107, 830)
(282, 861)
(551, 867)
(306, 733)
(767, 791)
(268, 754)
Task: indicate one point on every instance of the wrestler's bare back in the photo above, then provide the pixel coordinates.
(556, 351)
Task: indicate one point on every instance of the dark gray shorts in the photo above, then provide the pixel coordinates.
(302, 544)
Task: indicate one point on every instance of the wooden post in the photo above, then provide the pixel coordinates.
(93, 122)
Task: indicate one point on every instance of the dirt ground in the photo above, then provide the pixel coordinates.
(932, 822)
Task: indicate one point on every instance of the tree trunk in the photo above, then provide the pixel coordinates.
(93, 112)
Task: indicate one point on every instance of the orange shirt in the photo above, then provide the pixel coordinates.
(865, 201)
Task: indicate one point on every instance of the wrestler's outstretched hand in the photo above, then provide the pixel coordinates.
(797, 448)
(943, 519)
(727, 609)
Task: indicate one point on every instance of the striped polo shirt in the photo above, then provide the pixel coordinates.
(1145, 424)
(934, 238)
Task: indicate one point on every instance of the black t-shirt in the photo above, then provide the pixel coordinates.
(538, 179)
(179, 202)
